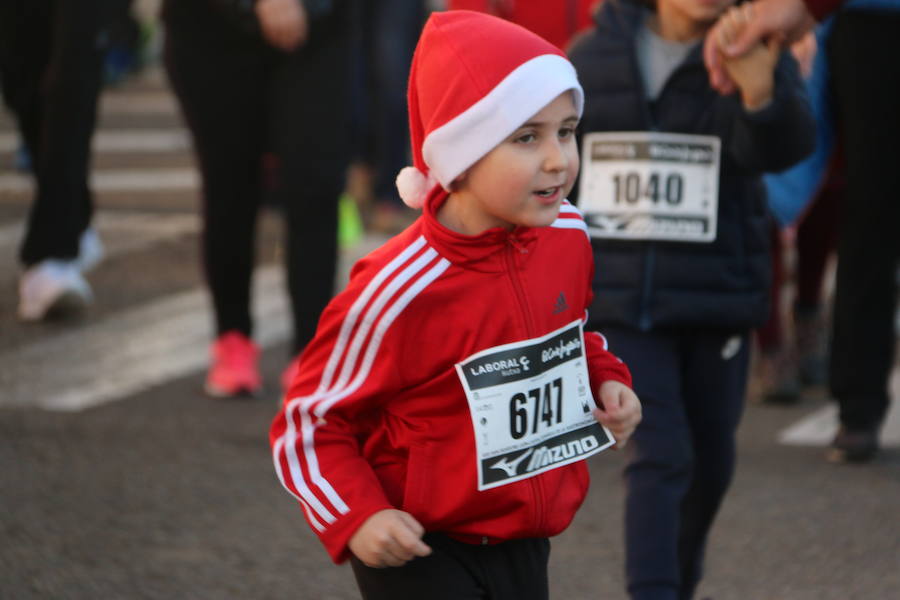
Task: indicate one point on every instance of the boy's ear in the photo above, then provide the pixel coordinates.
(460, 179)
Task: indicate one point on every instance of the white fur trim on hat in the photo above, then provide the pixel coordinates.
(458, 144)
(414, 186)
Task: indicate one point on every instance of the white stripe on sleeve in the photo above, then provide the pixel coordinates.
(327, 394)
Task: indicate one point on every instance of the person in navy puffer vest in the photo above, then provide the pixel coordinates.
(671, 190)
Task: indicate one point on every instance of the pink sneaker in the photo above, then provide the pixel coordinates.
(289, 374)
(234, 370)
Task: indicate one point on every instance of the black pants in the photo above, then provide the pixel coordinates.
(244, 100)
(514, 570)
(867, 89)
(681, 457)
(390, 29)
(51, 59)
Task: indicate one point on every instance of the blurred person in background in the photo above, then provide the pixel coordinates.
(866, 76)
(264, 78)
(794, 358)
(388, 33)
(671, 190)
(51, 66)
(804, 200)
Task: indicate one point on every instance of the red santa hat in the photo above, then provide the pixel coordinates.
(474, 80)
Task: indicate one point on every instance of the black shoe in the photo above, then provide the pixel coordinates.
(856, 446)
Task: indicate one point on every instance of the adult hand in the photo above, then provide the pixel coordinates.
(784, 20)
(619, 410)
(284, 23)
(389, 538)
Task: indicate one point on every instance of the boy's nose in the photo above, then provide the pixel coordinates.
(555, 159)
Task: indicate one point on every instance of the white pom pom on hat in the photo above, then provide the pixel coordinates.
(474, 80)
(414, 186)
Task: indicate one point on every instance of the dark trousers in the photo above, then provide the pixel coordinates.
(513, 570)
(390, 29)
(681, 458)
(244, 100)
(867, 90)
(51, 59)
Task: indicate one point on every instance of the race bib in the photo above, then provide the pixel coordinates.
(650, 186)
(531, 405)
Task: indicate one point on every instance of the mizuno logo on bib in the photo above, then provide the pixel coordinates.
(531, 405)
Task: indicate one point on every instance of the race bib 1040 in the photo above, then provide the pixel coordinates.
(531, 405)
(649, 185)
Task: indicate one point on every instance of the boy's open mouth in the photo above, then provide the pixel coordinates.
(548, 192)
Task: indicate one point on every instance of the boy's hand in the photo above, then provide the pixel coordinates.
(389, 538)
(620, 410)
(284, 23)
(754, 71)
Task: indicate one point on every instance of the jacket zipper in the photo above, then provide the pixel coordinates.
(514, 248)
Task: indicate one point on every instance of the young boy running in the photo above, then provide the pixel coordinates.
(436, 431)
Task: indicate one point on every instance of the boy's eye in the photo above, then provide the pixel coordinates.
(566, 132)
(526, 138)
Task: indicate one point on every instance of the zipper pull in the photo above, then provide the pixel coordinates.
(514, 242)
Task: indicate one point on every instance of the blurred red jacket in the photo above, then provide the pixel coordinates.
(557, 21)
(822, 8)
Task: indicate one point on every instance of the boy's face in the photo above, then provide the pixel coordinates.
(525, 178)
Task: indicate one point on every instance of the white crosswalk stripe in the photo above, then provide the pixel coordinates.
(122, 141)
(119, 180)
(144, 346)
(132, 351)
(141, 103)
(120, 231)
(819, 427)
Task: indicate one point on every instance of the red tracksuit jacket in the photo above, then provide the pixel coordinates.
(377, 417)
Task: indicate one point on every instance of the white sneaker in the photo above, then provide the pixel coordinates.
(90, 250)
(52, 287)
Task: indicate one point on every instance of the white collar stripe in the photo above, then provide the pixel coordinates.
(563, 223)
(568, 207)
